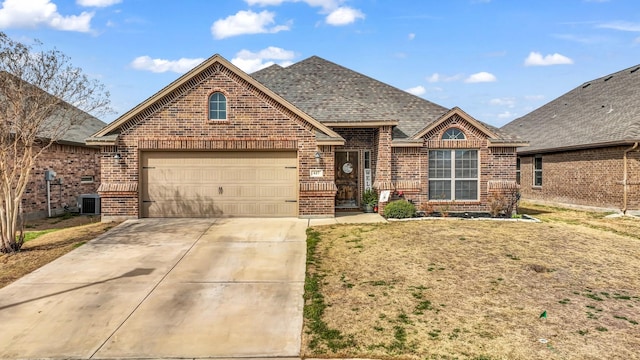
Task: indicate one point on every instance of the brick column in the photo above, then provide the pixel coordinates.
(383, 163)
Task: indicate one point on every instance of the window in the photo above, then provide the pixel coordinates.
(86, 179)
(453, 175)
(518, 171)
(217, 106)
(537, 171)
(453, 134)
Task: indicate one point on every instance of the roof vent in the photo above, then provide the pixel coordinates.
(608, 78)
(634, 70)
(586, 85)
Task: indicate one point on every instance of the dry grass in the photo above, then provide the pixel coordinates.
(72, 233)
(459, 289)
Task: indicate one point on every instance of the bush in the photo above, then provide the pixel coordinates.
(399, 209)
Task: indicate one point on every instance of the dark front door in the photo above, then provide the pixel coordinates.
(347, 170)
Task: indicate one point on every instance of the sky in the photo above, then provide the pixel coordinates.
(495, 59)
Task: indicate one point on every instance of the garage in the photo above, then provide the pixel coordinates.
(219, 183)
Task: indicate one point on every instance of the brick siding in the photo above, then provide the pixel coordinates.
(591, 177)
(70, 163)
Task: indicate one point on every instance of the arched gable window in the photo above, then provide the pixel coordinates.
(453, 134)
(217, 106)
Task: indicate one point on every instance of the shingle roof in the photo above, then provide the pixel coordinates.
(334, 94)
(77, 133)
(599, 112)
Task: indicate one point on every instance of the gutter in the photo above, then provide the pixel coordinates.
(625, 180)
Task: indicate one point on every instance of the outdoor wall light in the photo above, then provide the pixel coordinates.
(117, 158)
(317, 156)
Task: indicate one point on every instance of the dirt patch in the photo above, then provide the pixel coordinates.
(566, 288)
(73, 232)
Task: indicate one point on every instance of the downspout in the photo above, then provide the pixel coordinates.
(625, 180)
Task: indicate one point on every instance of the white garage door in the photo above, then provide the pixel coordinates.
(210, 184)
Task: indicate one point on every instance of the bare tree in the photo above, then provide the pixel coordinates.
(42, 96)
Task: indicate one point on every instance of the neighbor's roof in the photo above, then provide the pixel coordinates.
(600, 112)
(77, 133)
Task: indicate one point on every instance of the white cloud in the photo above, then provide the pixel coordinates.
(34, 13)
(179, 66)
(506, 115)
(411, 36)
(249, 61)
(417, 90)
(327, 5)
(536, 59)
(508, 102)
(344, 16)
(246, 22)
(97, 3)
(435, 77)
(534, 97)
(621, 26)
(481, 77)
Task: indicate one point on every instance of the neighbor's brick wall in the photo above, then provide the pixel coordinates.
(70, 163)
(591, 177)
(254, 122)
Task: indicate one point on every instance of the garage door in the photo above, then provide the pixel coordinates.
(210, 184)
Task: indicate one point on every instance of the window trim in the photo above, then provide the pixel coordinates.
(464, 136)
(453, 178)
(536, 171)
(518, 171)
(226, 106)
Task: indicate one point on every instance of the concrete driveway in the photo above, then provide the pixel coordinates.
(164, 288)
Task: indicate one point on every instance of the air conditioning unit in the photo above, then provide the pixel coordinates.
(89, 204)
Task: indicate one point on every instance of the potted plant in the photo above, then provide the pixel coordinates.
(369, 200)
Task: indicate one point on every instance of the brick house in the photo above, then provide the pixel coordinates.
(77, 169)
(76, 165)
(304, 141)
(584, 145)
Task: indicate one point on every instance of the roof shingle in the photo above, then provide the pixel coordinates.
(599, 112)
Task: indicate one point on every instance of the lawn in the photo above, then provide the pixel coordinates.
(462, 289)
(48, 239)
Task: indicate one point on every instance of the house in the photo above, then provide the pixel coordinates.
(77, 172)
(73, 167)
(303, 141)
(584, 145)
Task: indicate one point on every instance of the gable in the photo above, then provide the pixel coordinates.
(218, 67)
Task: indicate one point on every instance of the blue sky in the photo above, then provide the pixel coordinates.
(495, 59)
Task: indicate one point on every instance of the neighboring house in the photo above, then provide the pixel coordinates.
(584, 145)
(76, 167)
(300, 141)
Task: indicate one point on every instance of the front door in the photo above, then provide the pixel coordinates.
(347, 170)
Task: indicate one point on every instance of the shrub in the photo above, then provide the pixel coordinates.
(399, 209)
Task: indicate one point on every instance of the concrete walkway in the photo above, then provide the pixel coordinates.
(349, 218)
(164, 288)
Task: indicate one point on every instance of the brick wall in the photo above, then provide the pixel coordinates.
(254, 122)
(591, 177)
(70, 163)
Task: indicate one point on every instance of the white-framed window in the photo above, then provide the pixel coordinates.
(87, 179)
(453, 134)
(537, 170)
(454, 175)
(518, 171)
(217, 106)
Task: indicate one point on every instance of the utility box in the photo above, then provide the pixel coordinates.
(49, 175)
(89, 204)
